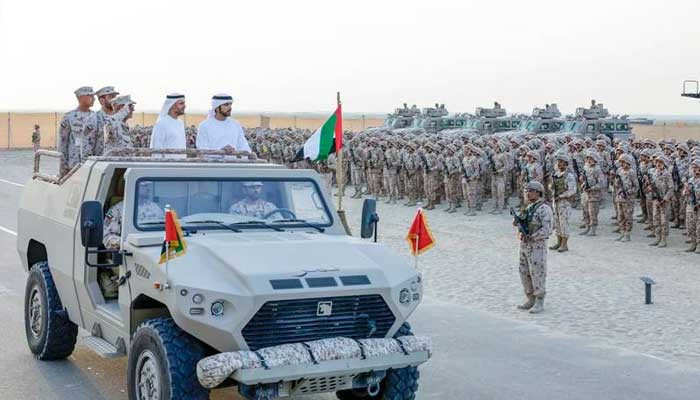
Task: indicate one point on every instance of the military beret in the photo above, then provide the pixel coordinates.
(84, 91)
(105, 91)
(536, 186)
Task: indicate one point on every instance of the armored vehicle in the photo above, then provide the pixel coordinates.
(541, 121)
(595, 120)
(492, 120)
(267, 293)
(402, 117)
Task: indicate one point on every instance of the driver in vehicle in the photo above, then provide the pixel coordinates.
(252, 205)
(148, 211)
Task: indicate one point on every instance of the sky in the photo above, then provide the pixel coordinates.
(292, 56)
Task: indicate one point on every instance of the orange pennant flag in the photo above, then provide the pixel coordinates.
(419, 236)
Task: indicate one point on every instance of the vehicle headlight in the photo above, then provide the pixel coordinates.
(217, 308)
(404, 296)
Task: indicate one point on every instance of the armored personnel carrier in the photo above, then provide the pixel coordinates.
(541, 121)
(491, 120)
(271, 295)
(596, 120)
(402, 117)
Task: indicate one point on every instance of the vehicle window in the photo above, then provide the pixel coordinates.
(608, 126)
(544, 126)
(228, 201)
(622, 127)
(515, 124)
(487, 125)
(590, 128)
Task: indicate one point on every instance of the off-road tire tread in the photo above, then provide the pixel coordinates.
(61, 333)
(182, 352)
(399, 384)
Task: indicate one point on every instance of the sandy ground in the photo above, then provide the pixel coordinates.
(593, 291)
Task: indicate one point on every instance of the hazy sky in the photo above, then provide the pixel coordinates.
(294, 55)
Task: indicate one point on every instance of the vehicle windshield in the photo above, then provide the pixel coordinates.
(207, 203)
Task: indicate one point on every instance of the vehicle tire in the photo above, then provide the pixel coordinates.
(50, 333)
(399, 384)
(163, 363)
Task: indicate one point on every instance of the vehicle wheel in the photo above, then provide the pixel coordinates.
(50, 334)
(399, 384)
(163, 363)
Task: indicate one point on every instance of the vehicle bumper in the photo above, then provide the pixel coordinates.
(288, 366)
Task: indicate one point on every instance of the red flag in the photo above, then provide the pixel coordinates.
(338, 128)
(170, 229)
(419, 236)
(174, 244)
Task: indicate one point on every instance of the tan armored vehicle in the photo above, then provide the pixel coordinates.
(271, 295)
(596, 120)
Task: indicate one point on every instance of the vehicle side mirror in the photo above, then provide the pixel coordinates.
(91, 223)
(370, 218)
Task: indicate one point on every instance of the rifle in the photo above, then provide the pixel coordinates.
(639, 179)
(520, 221)
(657, 194)
(493, 163)
(426, 168)
(693, 197)
(622, 185)
(675, 174)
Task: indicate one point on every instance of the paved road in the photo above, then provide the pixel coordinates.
(477, 355)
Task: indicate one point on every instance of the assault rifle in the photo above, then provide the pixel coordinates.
(693, 197)
(425, 162)
(622, 185)
(639, 178)
(657, 193)
(675, 174)
(492, 163)
(520, 221)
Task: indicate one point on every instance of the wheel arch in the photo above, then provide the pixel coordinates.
(36, 252)
(143, 308)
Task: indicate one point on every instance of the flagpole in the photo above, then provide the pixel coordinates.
(415, 253)
(339, 176)
(166, 285)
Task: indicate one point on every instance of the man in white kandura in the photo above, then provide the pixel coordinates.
(219, 131)
(169, 131)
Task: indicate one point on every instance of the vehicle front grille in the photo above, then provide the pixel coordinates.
(292, 321)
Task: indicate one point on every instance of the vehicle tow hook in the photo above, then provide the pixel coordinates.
(373, 389)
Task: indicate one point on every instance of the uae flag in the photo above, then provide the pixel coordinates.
(174, 244)
(326, 140)
(419, 236)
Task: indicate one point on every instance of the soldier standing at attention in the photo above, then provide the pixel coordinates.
(36, 138)
(537, 221)
(663, 190)
(625, 192)
(692, 190)
(93, 130)
(70, 140)
(564, 187)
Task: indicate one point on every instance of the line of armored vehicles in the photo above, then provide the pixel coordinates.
(586, 122)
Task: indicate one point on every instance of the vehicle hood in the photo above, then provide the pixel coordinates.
(249, 260)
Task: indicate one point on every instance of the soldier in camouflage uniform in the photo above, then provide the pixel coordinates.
(563, 191)
(430, 175)
(36, 138)
(533, 248)
(498, 163)
(253, 205)
(375, 164)
(692, 220)
(116, 129)
(412, 166)
(590, 183)
(391, 172)
(452, 180)
(93, 130)
(626, 191)
(71, 144)
(471, 170)
(662, 189)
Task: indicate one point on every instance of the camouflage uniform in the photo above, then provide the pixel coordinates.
(111, 238)
(391, 173)
(94, 130)
(430, 178)
(116, 131)
(470, 181)
(663, 190)
(453, 186)
(375, 162)
(590, 183)
(692, 219)
(36, 139)
(248, 208)
(499, 166)
(564, 190)
(533, 249)
(626, 191)
(71, 143)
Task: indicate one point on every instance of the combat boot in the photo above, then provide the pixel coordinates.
(448, 209)
(564, 244)
(693, 247)
(470, 213)
(697, 251)
(617, 230)
(453, 210)
(587, 229)
(528, 303)
(626, 237)
(657, 241)
(593, 229)
(539, 305)
(649, 227)
(558, 245)
(619, 238)
(430, 205)
(582, 226)
(663, 243)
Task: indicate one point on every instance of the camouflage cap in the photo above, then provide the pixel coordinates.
(683, 147)
(84, 91)
(695, 162)
(123, 100)
(647, 153)
(593, 156)
(627, 159)
(663, 159)
(563, 157)
(105, 91)
(536, 186)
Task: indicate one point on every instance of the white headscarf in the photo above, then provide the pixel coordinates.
(218, 100)
(170, 100)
